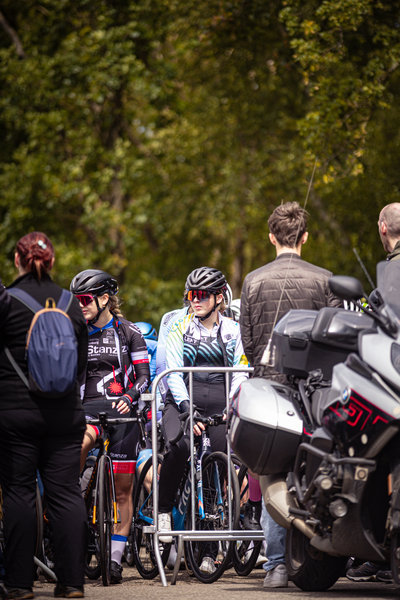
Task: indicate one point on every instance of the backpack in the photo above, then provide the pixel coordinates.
(51, 347)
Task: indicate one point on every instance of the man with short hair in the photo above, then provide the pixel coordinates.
(389, 229)
(267, 295)
(389, 232)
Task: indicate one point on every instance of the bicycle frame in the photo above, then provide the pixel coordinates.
(180, 510)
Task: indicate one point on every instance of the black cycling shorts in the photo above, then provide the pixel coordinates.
(124, 439)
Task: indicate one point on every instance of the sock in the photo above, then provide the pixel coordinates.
(117, 547)
(254, 489)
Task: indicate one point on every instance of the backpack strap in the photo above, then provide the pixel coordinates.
(16, 367)
(33, 305)
(65, 301)
(26, 299)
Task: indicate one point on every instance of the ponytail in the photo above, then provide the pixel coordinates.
(36, 253)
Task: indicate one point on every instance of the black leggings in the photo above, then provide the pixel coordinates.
(209, 399)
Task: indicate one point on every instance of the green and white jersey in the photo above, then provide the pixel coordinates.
(189, 343)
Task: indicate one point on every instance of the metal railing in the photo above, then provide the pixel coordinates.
(187, 535)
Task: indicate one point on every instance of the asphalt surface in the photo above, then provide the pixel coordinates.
(229, 586)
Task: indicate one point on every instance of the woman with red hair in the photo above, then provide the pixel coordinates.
(40, 433)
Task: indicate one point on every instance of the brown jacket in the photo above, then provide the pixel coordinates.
(306, 287)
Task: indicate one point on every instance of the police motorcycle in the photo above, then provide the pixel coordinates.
(327, 446)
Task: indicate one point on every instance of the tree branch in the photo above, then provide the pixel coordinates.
(13, 35)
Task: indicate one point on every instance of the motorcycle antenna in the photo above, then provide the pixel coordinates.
(371, 283)
(267, 357)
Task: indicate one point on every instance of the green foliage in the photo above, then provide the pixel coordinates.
(148, 138)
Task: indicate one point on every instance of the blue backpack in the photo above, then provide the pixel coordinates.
(51, 347)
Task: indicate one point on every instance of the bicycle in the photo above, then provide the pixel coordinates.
(211, 511)
(100, 499)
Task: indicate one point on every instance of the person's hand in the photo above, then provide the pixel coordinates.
(123, 406)
(198, 428)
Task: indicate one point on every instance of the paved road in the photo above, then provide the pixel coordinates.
(229, 587)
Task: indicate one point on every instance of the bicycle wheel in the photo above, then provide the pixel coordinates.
(92, 565)
(245, 552)
(105, 520)
(143, 543)
(215, 503)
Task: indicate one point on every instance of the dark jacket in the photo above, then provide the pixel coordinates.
(5, 304)
(395, 254)
(306, 287)
(14, 393)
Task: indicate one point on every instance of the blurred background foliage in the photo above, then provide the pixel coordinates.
(150, 137)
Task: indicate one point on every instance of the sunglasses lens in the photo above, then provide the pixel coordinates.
(199, 294)
(85, 300)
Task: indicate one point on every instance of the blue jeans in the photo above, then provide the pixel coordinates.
(275, 536)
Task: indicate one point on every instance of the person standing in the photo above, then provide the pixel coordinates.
(268, 293)
(389, 232)
(40, 433)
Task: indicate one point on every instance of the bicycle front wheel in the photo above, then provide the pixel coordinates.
(105, 520)
(215, 517)
(245, 552)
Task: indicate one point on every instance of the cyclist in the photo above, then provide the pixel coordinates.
(202, 338)
(117, 373)
(150, 335)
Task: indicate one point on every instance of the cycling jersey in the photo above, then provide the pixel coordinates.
(190, 343)
(165, 327)
(118, 362)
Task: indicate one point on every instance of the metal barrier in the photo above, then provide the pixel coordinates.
(184, 535)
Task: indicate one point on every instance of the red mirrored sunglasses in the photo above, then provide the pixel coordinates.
(201, 295)
(84, 299)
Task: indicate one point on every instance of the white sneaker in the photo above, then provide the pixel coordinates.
(261, 559)
(164, 527)
(277, 577)
(208, 566)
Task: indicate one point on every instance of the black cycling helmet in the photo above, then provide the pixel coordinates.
(212, 280)
(95, 282)
(207, 278)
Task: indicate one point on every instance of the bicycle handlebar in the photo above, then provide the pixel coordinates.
(211, 421)
(104, 421)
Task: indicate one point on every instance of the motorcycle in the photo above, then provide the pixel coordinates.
(327, 446)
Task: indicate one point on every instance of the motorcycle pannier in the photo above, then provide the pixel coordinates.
(264, 427)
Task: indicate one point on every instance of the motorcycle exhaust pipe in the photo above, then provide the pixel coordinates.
(278, 501)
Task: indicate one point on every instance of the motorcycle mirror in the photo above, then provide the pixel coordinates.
(346, 288)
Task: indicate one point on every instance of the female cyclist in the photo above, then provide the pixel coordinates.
(117, 373)
(202, 338)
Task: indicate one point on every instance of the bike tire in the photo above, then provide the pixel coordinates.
(105, 520)
(216, 462)
(245, 552)
(92, 565)
(143, 543)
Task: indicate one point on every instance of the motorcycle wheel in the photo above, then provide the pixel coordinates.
(309, 569)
